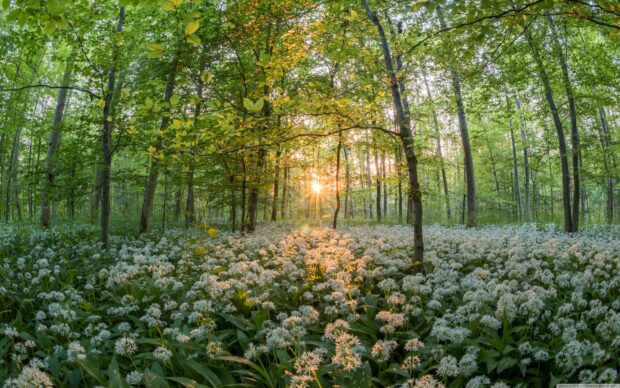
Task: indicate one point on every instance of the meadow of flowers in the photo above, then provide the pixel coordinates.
(495, 307)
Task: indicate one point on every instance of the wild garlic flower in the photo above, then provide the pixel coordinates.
(162, 353)
(125, 346)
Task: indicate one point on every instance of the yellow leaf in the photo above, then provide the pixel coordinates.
(154, 46)
(212, 232)
(191, 28)
(200, 250)
(176, 124)
(206, 77)
(194, 40)
(151, 150)
(170, 5)
(102, 103)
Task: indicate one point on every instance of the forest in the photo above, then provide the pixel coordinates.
(309, 193)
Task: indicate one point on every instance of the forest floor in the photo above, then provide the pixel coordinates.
(309, 307)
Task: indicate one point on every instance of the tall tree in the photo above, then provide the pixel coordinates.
(468, 158)
(106, 134)
(53, 145)
(406, 135)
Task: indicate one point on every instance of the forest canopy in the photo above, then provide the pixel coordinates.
(230, 112)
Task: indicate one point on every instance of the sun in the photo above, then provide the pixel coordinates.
(316, 186)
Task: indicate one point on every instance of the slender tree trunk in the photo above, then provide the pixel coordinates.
(515, 165)
(54, 145)
(243, 195)
(165, 204)
(12, 185)
(468, 163)
(151, 183)
(385, 187)
(347, 178)
(526, 163)
(106, 138)
(284, 192)
(574, 130)
(442, 166)
(337, 209)
(566, 193)
(233, 202)
(190, 207)
(96, 200)
(178, 194)
(609, 163)
(406, 134)
(276, 187)
(400, 184)
(377, 184)
(368, 176)
(29, 173)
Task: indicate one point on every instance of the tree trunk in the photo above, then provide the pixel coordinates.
(442, 166)
(12, 185)
(468, 163)
(284, 192)
(276, 188)
(106, 138)
(574, 130)
(368, 177)
(385, 188)
(609, 163)
(178, 194)
(151, 183)
(337, 209)
(190, 203)
(347, 195)
(165, 204)
(515, 165)
(404, 124)
(233, 202)
(526, 163)
(566, 194)
(243, 195)
(377, 184)
(54, 145)
(190, 207)
(399, 194)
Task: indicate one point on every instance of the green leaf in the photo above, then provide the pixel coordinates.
(156, 50)
(248, 104)
(249, 363)
(55, 7)
(505, 363)
(174, 100)
(116, 380)
(92, 370)
(205, 372)
(258, 105)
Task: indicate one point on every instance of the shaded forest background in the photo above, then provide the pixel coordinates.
(152, 114)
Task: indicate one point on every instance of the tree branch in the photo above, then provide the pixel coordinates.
(472, 22)
(92, 94)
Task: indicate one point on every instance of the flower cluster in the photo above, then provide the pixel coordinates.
(310, 307)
